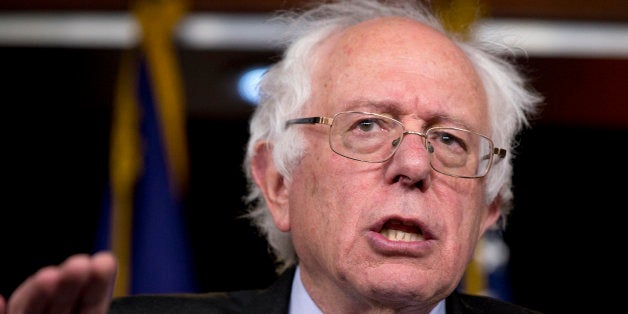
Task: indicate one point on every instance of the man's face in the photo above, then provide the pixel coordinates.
(338, 207)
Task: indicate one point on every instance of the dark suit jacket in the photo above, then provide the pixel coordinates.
(275, 300)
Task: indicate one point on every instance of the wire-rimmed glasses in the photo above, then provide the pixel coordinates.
(371, 137)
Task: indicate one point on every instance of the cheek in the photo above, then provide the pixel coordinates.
(462, 208)
(329, 203)
(465, 198)
(324, 195)
(472, 213)
(458, 217)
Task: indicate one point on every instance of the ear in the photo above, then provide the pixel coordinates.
(272, 184)
(493, 213)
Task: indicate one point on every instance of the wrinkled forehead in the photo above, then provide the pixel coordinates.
(392, 38)
(396, 60)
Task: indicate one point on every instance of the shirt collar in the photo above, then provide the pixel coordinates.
(300, 300)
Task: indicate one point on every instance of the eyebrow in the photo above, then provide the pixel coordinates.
(391, 108)
(386, 107)
(440, 119)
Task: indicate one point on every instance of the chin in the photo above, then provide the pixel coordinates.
(402, 283)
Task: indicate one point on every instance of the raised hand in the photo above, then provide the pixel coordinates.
(81, 284)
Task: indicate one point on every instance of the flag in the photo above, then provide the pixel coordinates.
(487, 274)
(143, 222)
(459, 15)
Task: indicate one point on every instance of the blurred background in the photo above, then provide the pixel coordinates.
(61, 63)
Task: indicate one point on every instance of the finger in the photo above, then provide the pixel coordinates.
(97, 294)
(33, 295)
(74, 275)
(3, 305)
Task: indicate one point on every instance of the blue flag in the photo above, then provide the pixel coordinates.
(143, 222)
(487, 274)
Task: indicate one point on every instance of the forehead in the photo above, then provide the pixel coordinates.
(401, 62)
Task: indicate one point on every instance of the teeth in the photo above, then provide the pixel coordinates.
(398, 235)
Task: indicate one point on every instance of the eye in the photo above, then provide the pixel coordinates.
(448, 139)
(367, 125)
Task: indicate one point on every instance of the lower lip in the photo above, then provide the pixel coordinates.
(382, 245)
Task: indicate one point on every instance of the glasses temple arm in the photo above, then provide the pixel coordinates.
(500, 152)
(309, 120)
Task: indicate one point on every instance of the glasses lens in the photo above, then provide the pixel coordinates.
(364, 136)
(374, 138)
(459, 152)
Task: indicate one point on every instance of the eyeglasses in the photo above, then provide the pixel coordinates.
(371, 137)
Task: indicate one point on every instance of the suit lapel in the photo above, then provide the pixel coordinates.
(276, 298)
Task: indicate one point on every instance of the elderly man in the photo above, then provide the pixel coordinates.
(378, 157)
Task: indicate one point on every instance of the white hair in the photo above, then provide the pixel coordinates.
(285, 89)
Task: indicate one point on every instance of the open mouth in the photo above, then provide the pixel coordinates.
(395, 230)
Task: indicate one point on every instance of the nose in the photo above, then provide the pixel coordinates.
(419, 147)
(429, 147)
(410, 164)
